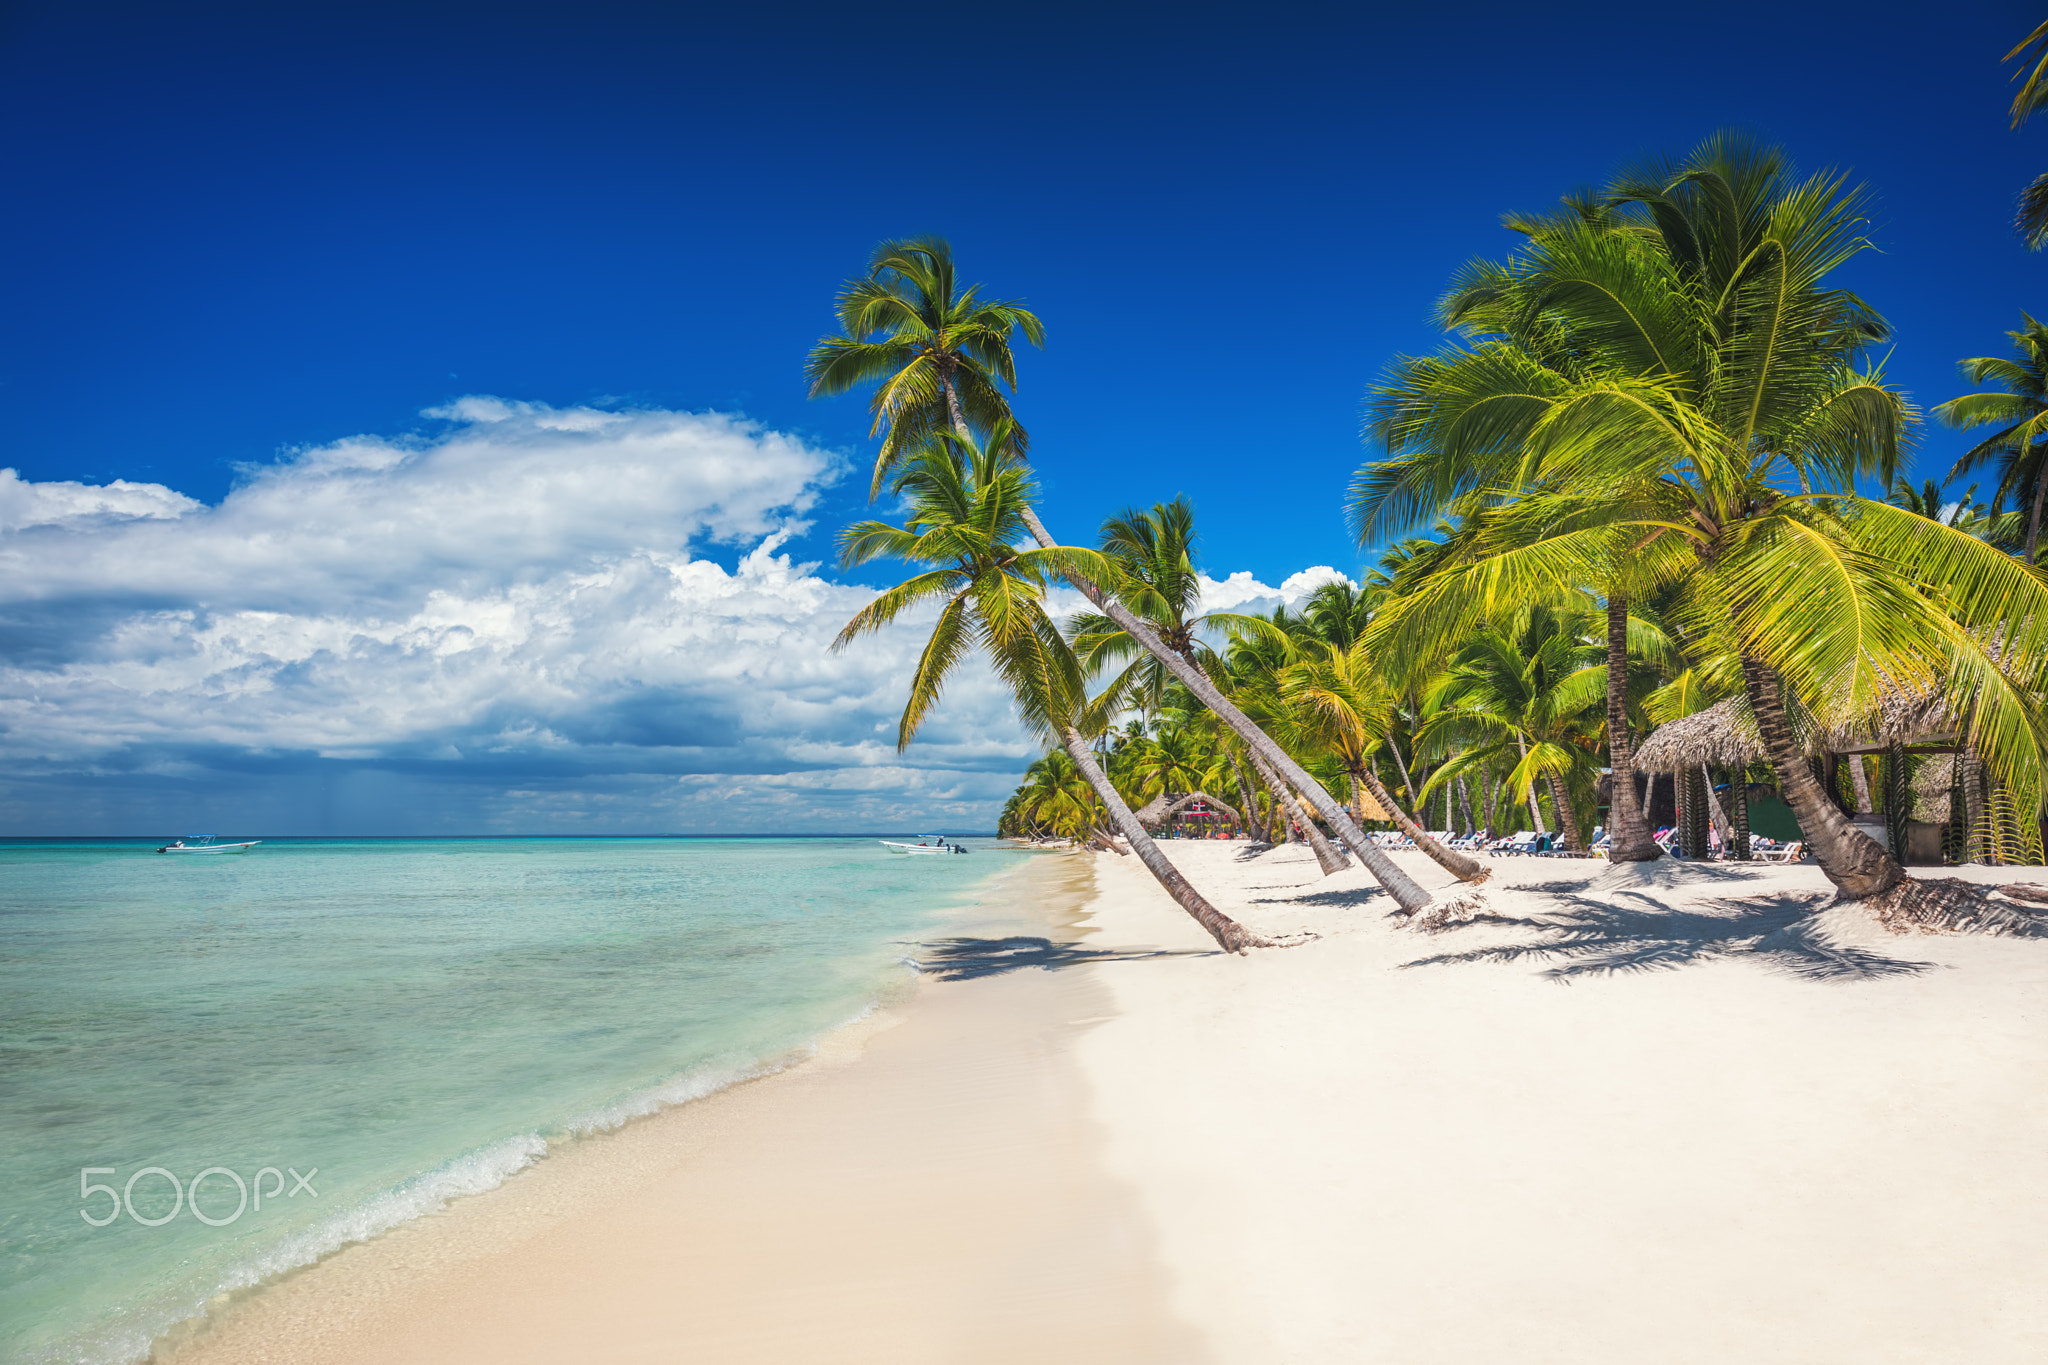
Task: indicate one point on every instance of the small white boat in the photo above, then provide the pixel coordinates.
(204, 843)
(923, 846)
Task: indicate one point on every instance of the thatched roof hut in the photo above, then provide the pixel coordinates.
(1725, 736)
(1167, 805)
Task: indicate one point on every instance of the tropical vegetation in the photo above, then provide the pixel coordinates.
(1630, 487)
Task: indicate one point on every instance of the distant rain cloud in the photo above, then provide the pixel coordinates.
(510, 625)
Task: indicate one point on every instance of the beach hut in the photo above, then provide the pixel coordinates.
(1196, 808)
(1907, 730)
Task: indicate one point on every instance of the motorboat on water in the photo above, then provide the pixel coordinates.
(204, 843)
(927, 844)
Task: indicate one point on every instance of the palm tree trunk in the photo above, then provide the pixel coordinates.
(1327, 858)
(1722, 825)
(2034, 517)
(1853, 861)
(1630, 841)
(1247, 803)
(1860, 780)
(1231, 936)
(1406, 892)
(1567, 818)
(1535, 810)
(1463, 866)
(1401, 767)
(1486, 805)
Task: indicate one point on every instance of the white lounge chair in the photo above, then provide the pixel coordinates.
(1789, 853)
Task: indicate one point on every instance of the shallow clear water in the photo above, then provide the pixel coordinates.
(414, 1019)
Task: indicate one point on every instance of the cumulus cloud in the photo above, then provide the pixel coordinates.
(1244, 593)
(516, 623)
(75, 504)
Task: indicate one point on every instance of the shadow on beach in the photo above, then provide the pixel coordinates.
(1327, 900)
(1593, 938)
(964, 959)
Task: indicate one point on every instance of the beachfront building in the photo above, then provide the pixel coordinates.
(1904, 779)
(1189, 815)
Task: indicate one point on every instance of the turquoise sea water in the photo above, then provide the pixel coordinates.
(416, 1020)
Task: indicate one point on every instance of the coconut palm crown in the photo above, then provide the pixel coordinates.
(2018, 407)
(938, 355)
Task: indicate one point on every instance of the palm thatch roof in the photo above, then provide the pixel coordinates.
(1166, 805)
(1725, 736)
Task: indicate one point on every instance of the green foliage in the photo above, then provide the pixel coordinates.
(938, 355)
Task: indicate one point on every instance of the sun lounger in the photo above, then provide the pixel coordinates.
(1790, 853)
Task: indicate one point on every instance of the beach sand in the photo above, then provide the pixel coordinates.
(928, 1189)
(1628, 1120)
(1691, 1138)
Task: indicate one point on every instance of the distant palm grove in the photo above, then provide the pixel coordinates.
(1649, 579)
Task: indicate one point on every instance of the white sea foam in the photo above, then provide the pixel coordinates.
(486, 1168)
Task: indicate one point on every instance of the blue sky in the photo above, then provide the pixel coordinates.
(241, 232)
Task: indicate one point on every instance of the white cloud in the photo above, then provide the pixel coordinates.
(75, 504)
(512, 624)
(1242, 592)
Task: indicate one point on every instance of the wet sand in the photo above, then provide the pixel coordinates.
(928, 1189)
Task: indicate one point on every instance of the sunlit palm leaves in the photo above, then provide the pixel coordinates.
(2018, 408)
(1710, 431)
(965, 526)
(938, 355)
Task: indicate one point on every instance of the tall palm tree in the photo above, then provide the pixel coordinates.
(1683, 394)
(936, 379)
(937, 354)
(1158, 580)
(2020, 412)
(967, 503)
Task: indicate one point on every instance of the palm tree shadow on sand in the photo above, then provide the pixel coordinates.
(964, 959)
(1587, 937)
(1326, 900)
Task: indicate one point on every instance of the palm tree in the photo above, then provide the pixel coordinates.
(967, 502)
(1351, 710)
(1158, 580)
(1679, 393)
(2032, 219)
(925, 381)
(1055, 797)
(938, 355)
(1525, 697)
(2020, 412)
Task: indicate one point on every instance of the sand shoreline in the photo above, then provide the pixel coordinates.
(1678, 1114)
(840, 1209)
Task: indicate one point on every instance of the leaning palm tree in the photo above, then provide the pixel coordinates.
(1347, 704)
(2020, 412)
(1158, 580)
(966, 504)
(938, 355)
(938, 388)
(1684, 392)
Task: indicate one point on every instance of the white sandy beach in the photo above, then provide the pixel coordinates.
(1690, 1137)
(1700, 1145)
